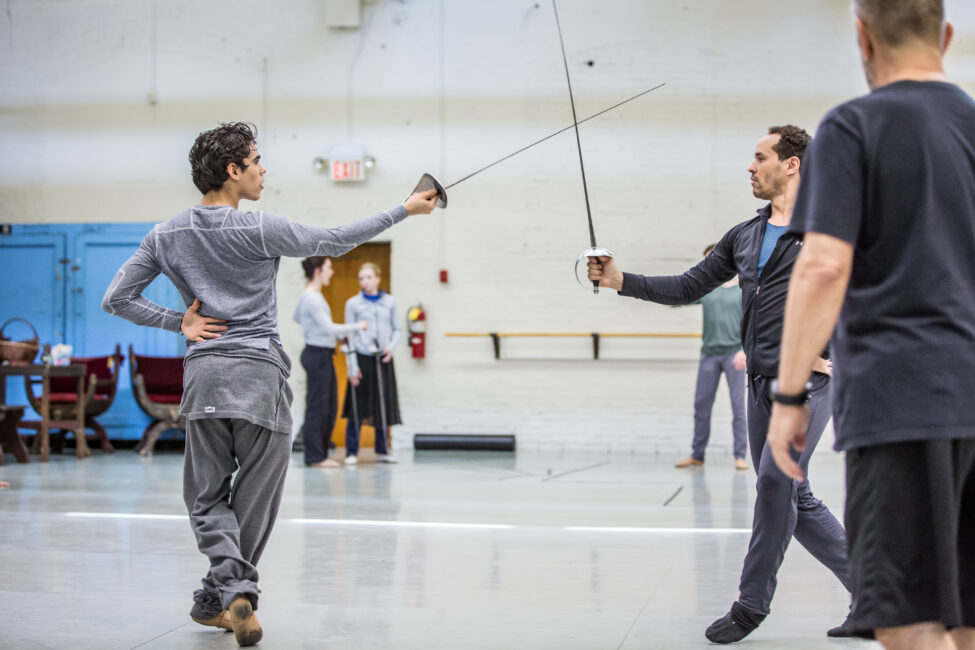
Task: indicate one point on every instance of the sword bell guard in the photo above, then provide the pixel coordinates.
(595, 251)
(430, 182)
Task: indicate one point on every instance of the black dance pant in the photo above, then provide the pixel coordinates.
(321, 402)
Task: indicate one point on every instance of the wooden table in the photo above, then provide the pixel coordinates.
(9, 419)
(45, 424)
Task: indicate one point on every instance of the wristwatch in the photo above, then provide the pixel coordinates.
(789, 400)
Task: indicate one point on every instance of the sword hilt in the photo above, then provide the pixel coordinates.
(596, 252)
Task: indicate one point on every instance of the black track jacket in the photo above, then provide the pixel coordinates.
(762, 298)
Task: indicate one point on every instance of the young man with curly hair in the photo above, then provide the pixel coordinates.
(761, 252)
(236, 399)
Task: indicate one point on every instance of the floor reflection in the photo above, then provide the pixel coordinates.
(450, 550)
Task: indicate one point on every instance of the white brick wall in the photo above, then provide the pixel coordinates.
(447, 87)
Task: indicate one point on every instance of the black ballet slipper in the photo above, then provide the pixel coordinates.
(734, 626)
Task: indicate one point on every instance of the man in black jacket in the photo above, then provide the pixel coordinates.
(761, 252)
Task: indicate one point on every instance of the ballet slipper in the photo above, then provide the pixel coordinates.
(247, 629)
(221, 620)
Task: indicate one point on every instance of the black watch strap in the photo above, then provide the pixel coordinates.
(789, 400)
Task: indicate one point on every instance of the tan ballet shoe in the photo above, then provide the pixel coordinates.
(690, 461)
(222, 620)
(244, 622)
(740, 463)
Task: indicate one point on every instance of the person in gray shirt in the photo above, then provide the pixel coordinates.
(372, 390)
(236, 398)
(720, 353)
(321, 395)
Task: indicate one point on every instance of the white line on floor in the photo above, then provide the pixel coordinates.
(398, 524)
(122, 515)
(436, 524)
(640, 529)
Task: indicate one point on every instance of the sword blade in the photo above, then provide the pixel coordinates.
(575, 124)
(552, 135)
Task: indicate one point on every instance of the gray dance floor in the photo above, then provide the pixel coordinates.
(445, 550)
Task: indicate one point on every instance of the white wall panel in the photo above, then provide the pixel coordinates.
(100, 101)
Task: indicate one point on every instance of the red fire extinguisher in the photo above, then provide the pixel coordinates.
(416, 320)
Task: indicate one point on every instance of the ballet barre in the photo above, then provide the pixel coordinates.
(595, 336)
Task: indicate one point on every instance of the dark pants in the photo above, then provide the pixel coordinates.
(376, 402)
(785, 508)
(352, 437)
(708, 375)
(232, 521)
(321, 402)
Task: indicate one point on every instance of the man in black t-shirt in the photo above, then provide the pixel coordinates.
(887, 206)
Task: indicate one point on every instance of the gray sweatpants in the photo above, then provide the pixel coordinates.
(708, 375)
(785, 508)
(232, 522)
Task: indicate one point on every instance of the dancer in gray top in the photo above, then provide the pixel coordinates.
(321, 394)
(236, 398)
(372, 377)
(313, 313)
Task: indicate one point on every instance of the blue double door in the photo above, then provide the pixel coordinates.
(54, 276)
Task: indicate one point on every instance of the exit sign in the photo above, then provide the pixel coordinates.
(348, 170)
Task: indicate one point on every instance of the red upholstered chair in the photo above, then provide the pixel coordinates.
(157, 383)
(101, 382)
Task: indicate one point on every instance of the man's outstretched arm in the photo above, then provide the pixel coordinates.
(697, 282)
(816, 292)
(282, 238)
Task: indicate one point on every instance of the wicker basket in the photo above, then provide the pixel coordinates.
(18, 353)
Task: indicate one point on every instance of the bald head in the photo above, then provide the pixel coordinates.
(897, 22)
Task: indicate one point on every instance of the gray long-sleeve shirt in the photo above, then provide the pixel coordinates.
(384, 330)
(315, 317)
(229, 260)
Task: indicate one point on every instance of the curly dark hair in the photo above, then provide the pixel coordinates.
(309, 264)
(215, 149)
(792, 141)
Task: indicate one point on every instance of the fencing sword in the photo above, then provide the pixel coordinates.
(430, 182)
(377, 350)
(382, 397)
(355, 405)
(593, 251)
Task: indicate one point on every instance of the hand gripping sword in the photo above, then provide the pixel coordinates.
(593, 251)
